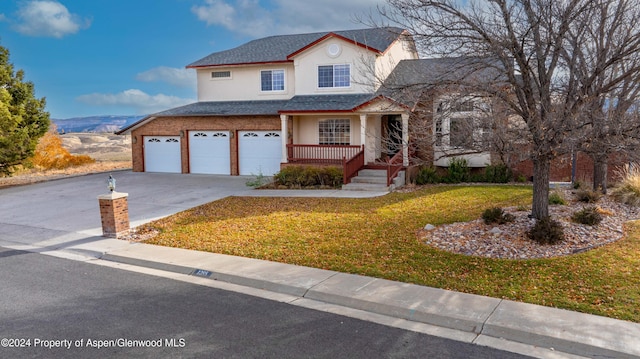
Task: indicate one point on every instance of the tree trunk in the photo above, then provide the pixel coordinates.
(600, 173)
(540, 208)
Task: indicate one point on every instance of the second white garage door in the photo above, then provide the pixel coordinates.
(209, 152)
(260, 152)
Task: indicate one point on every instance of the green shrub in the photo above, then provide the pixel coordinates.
(556, 198)
(309, 176)
(546, 231)
(499, 173)
(628, 190)
(496, 215)
(330, 176)
(587, 195)
(288, 176)
(259, 181)
(588, 215)
(477, 177)
(458, 171)
(427, 174)
(521, 179)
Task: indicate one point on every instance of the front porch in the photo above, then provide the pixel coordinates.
(350, 158)
(351, 131)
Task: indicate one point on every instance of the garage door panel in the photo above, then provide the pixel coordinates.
(260, 152)
(162, 154)
(209, 152)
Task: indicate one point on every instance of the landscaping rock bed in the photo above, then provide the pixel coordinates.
(510, 240)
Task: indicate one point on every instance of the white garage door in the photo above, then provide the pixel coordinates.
(209, 152)
(260, 152)
(162, 154)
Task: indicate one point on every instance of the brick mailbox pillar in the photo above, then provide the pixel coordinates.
(114, 212)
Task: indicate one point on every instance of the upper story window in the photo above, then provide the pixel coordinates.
(334, 132)
(334, 76)
(221, 74)
(272, 80)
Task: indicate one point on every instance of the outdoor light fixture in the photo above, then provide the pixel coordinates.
(111, 183)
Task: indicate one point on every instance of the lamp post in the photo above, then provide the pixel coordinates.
(111, 183)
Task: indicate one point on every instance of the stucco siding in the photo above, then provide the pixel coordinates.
(360, 60)
(400, 50)
(244, 84)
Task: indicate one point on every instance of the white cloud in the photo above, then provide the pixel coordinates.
(47, 18)
(2, 17)
(173, 76)
(138, 100)
(253, 18)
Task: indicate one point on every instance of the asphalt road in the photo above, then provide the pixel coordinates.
(104, 312)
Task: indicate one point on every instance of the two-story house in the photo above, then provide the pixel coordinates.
(282, 100)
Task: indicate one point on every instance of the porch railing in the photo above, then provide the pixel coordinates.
(394, 165)
(322, 154)
(350, 157)
(351, 166)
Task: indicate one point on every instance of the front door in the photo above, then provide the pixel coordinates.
(393, 134)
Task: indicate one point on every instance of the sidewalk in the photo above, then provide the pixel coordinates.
(465, 317)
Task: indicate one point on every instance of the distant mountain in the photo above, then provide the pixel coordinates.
(94, 123)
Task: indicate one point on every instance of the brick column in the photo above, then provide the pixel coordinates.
(114, 212)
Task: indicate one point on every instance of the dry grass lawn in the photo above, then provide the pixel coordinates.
(377, 237)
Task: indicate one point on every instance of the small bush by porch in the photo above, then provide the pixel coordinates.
(306, 176)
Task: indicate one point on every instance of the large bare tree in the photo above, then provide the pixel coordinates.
(603, 60)
(525, 43)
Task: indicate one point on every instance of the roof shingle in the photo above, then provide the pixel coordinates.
(278, 48)
(326, 103)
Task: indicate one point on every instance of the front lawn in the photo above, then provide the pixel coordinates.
(377, 237)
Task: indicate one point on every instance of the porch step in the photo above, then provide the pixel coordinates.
(374, 181)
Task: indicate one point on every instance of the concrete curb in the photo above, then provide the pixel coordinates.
(563, 330)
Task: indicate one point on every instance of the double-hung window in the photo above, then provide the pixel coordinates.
(272, 80)
(330, 76)
(334, 132)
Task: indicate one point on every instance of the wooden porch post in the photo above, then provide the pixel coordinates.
(284, 137)
(363, 136)
(405, 139)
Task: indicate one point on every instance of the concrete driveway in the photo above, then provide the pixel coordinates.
(65, 212)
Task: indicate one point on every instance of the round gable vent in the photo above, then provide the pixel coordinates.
(333, 50)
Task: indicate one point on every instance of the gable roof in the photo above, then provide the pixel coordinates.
(274, 49)
(410, 77)
(439, 71)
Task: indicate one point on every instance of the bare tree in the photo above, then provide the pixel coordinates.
(603, 60)
(524, 43)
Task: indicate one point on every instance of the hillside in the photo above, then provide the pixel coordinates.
(102, 124)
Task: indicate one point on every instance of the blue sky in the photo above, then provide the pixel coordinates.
(128, 57)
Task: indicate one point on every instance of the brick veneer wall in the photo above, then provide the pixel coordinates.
(180, 126)
(561, 168)
(114, 214)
